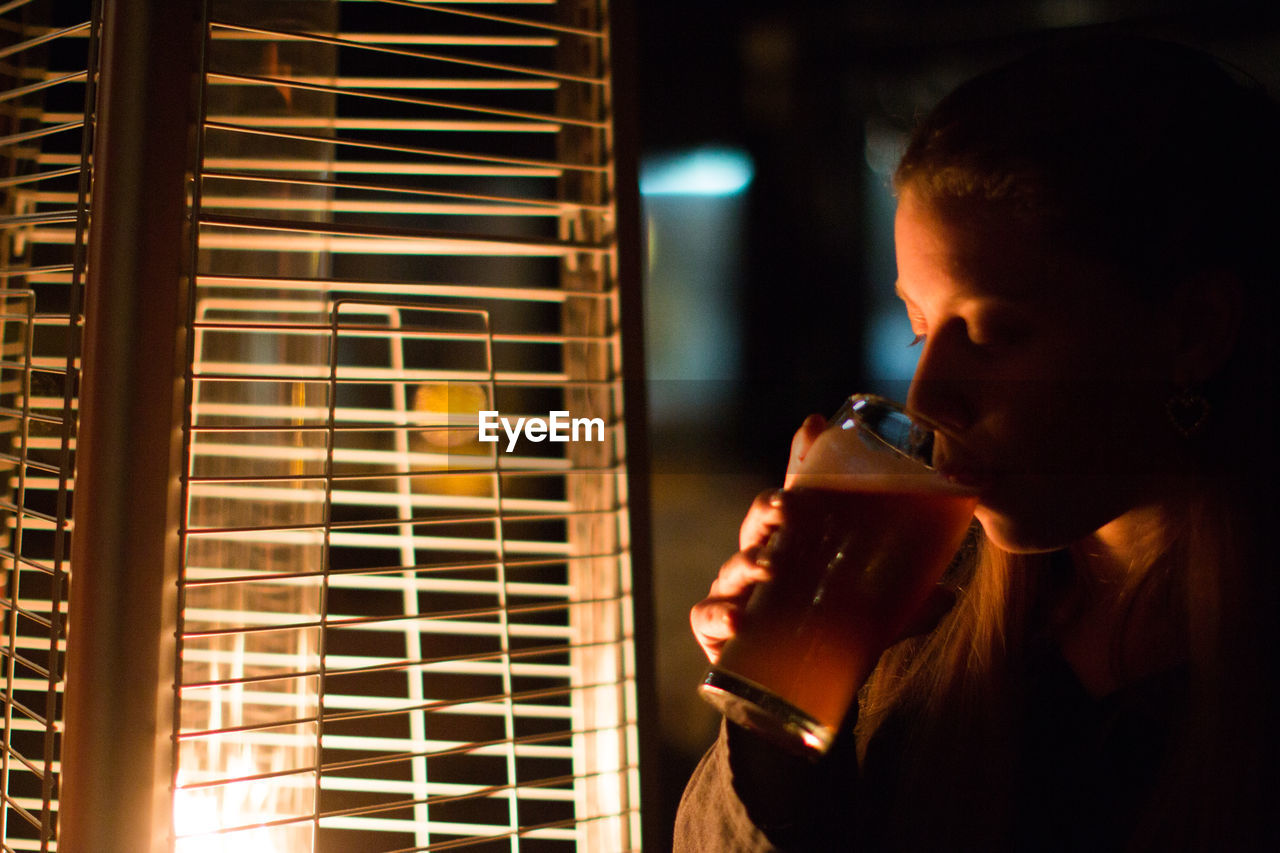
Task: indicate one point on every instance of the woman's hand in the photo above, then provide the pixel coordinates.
(715, 619)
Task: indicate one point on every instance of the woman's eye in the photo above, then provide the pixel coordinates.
(916, 340)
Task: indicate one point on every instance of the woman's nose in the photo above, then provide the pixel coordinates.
(942, 386)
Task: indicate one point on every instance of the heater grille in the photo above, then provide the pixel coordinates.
(44, 148)
(391, 635)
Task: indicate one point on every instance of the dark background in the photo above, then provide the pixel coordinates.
(816, 93)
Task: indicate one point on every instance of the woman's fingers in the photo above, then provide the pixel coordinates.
(763, 517)
(738, 575)
(714, 620)
(801, 442)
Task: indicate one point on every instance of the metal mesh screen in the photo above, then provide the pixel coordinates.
(392, 635)
(44, 146)
(431, 632)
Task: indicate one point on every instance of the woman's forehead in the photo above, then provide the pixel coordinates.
(982, 251)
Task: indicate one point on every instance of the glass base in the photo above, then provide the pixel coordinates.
(754, 707)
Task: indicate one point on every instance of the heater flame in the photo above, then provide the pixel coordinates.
(202, 816)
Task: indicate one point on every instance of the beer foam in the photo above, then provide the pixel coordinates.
(850, 460)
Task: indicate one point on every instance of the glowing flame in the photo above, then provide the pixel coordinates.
(200, 815)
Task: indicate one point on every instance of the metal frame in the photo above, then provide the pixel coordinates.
(118, 750)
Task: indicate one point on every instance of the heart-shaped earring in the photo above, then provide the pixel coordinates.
(1188, 411)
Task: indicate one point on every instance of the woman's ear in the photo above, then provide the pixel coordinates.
(1207, 311)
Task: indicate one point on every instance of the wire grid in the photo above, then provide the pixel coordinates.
(396, 637)
(44, 142)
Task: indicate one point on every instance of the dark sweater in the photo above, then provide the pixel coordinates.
(1085, 769)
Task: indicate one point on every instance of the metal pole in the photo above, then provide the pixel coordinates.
(117, 761)
(624, 66)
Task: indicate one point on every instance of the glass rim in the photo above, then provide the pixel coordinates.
(915, 441)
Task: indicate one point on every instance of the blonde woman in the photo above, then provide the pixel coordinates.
(1084, 243)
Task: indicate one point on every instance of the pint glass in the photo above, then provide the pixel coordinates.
(869, 527)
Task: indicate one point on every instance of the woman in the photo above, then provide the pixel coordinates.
(1083, 242)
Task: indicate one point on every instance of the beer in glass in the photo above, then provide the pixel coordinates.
(869, 528)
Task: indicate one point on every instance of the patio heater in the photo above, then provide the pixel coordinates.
(265, 263)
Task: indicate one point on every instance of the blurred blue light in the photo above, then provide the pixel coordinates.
(699, 172)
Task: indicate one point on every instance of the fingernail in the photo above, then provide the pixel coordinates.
(775, 497)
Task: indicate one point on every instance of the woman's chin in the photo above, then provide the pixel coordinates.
(1021, 535)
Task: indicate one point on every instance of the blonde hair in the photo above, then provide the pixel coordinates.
(955, 680)
(1157, 159)
(958, 688)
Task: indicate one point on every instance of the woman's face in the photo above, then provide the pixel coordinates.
(1048, 380)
